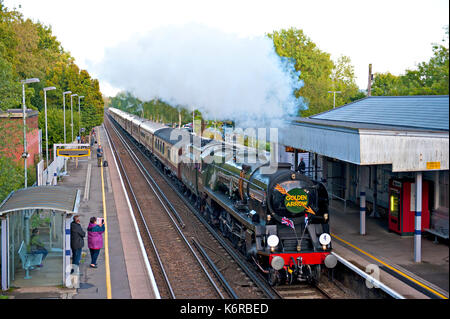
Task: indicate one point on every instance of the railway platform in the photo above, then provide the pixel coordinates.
(393, 254)
(121, 272)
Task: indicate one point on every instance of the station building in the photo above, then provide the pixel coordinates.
(11, 132)
(377, 147)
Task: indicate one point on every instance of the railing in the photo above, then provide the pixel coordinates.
(57, 166)
(336, 190)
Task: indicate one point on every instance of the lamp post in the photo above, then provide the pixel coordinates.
(79, 116)
(334, 97)
(71, 113)
(25, 153)
(46, 130)
(64, 106)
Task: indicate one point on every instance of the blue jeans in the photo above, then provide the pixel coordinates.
(94, 255)
(76, 256)
(42, 251)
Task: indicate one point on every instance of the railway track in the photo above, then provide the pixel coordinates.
(242, 279)
(181, 273)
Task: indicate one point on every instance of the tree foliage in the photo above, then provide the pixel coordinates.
(318, 71)
(155, 110)
(29, 50)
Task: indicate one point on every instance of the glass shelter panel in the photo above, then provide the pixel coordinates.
(36, 240)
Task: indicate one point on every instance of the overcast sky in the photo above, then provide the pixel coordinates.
(393, 35)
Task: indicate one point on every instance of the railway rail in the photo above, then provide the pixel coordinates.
(244, 281)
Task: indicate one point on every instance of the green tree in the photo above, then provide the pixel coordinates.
(27, 50)
(343, 80)
(318, 71)
(315, 67)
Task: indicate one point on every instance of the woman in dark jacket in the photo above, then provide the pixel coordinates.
(95, 239)
(76, 240)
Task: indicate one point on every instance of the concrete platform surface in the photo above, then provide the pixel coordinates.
(391, 249)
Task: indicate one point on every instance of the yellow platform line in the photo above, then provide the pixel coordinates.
(108, 272)
(392, 268)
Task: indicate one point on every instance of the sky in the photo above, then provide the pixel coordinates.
(393, 35)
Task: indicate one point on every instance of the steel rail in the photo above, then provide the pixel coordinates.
(215, 269)
(146, 176)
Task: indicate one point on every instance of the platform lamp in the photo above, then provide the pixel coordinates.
(71, 113)
(64, 106)
(46, 129)
(79, 116)
(25, 153)
(334, 97)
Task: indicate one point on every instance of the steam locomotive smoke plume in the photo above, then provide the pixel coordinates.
(224, 76)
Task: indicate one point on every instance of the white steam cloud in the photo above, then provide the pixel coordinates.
(222, 75)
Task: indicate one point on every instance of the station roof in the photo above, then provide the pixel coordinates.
(42, 197)
(422, 112)
(409, 132)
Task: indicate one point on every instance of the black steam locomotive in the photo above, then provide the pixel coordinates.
(276, 217)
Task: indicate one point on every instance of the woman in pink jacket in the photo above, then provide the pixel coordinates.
(95, 239)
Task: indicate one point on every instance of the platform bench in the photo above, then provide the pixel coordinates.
(28, 260)
(436, 234)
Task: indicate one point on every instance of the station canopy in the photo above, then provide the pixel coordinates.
(42, 197)
(411, 133)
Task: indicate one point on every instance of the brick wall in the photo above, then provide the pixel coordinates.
(11, 133)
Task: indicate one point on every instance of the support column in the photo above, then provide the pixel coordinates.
(347, 181)
(5, 250)
(418, 220)
(362, 213)
(295, 160)
(315, 166)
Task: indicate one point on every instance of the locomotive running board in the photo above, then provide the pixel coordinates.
(228, 205)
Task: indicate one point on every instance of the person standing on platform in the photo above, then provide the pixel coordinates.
(301, 166)
(95, 229)
(99, 155)
(76, 240)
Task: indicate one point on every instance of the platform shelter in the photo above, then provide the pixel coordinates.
(43, 213)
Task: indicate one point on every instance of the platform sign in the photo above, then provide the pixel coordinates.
(433, 165)
(80, 152)
(71, 150)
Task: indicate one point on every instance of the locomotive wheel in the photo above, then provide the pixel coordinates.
(315, 273)
(274, 277)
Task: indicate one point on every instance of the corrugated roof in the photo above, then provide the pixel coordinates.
(424, 112)
(42, 197)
